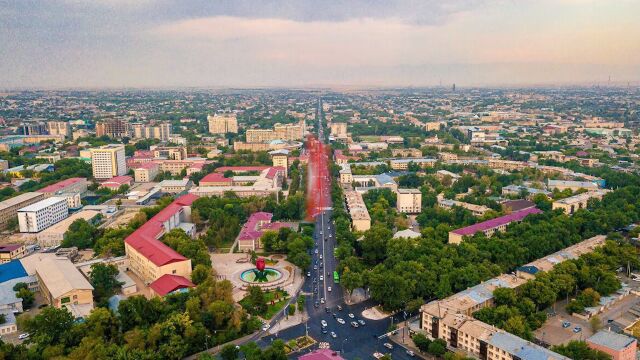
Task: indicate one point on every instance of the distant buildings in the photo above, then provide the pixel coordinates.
(114, 128)
(223, 124)
(39, 216)
(59, 128)
(285, 132)
(409, 201)
(339, 130)
(403, 164)
(489, 227)
(108, 161)
(160, 131)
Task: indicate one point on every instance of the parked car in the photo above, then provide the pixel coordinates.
(23, 336)
(339, 308)
(340, 321)
(351, 315)
(324, 330)
(388, 346)
(321, 278)
(323, 323)
(327, 310)
(322, 301)
(566, 324)
(333, 335)
(354, 324)
(577, 329)
(361, 322)
(377, 355)
(266, 327)
(308, 273)
(410, 353)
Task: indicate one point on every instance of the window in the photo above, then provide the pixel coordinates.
(65, 300)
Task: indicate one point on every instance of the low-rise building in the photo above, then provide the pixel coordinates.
(530, 192)
(39, 216)
(11, 252)
(72, 185)
(145, 172)
(576, 202)
(571, 185)
(9, 208)
(403, 164)
(63, 286)
(618, 346)
(489, 227)
(252, 231)
(476, 210)
(443, 174)
(175, 186)
(360, 219)
(409, 201)
(117, 181)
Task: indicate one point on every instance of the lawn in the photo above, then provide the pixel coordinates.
(269, 296)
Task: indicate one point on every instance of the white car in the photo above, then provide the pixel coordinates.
(333, 335)
(320, 256)
(388, 346)
(316, 251)
(23, 336)
(321, 278)
(329, 288)
(351, 315)
(266, 327)
(322, 301)
(308, 273)
(323, 323)
(340, 321)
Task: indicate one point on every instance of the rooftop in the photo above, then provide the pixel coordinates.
(10, 247)
(18, 199)
(321, 354)
(216, 177)
(43, 204)
(12, 270)
(60, 276)
(169, 283)
(61, 185)
(521, 348)
(499, 221)
(611, 340)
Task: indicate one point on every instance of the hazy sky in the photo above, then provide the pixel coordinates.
(164, 43)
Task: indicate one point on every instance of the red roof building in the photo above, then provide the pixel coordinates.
(321, 354)
(75, 184)
(241, 169)
(168, 284)
(149, 257)
(216, 179)
(115, 182)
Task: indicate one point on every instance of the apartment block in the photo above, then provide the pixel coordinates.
(403, 164)
(161, 131)
(169, 152)
(9, 208)
(59, 128)
(339, 130)
(574, 203)
(108, 161)
(71, 185)
(114, 128)
(409, 201)
(145, 172)
(39, 216)
(223, 124)
(360, 219)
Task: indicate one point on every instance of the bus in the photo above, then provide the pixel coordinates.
(336, 277)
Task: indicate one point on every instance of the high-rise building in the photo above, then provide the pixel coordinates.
(160, 131)
(39, 216)
(223, 123)
(33, 128)
(339, 130)
(59, 128)
(286, 132)
(108, 161)
(409, 201)
(115, 128)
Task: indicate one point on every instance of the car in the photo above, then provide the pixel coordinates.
(321, 278)
(333, 335)
(339, 308)
(23, 336)
(334, 315)
(388, 346)
(321, 300)
(329, 288)
(316, 305)
(308, 273)
(324, 330)
(361, 322)
(321, 265)
(410, 353)
(577, 329)
(320, 256)
(377, 355)
(351, 316)
(315, 267)
(316, 251)
(327, 310)
(340, 321)
(323, 323)
(566, 324)
(320, 232)
(315, 290)
(266, 327)
(354, 324)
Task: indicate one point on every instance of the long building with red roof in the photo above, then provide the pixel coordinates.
(489, 227)
(71, 185)
(149, 257)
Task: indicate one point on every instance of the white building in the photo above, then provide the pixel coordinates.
(108, 161)
(39, 216)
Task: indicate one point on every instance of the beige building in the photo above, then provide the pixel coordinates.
(360, 219)
(255, 147)
(161, 131)
(59, 128)
(145, 172)
(574, 203)
(409, 201)
(64, 286)
(406, 152)
(339, 130)
(254, 136)
(346, 177)
(9, 208)
(476, 210)
(108, 161)
(285, 132)
(169, 152)
(280, 158)
(571, 185)
(223, 123)
(403, 164)
(10, 252)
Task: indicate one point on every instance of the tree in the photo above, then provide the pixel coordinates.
(80, 234)
(200, 274)
(421, 342)
(596, 323)
(579, 350)
(229, 352)
(104, 281)
(437, 347)
(351, 280)
(51, 327)
(257, 301)
(27, 297)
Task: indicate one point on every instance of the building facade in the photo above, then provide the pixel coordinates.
(223, 124)
(39, 216)
(409, 201)
(59, 128)
(108, 161)
(9, 208)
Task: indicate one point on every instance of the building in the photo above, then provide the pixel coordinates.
(160, 131)
(618, 346)
(145, 172)
(59, 128)
(33, 128)
(223, 124)
(280, 158)
(71, 185)
(63, 286)
(346, 176)
(114, 128)
(11, 252)
(339, 130)
(149, 257)
(39, 216)
(169, 152)
(403, 164)
(170, 284)
(216, 179)
(9, 208)
(409, 201)
(175, 186)
(571, 185)
(108, 161)
(321, 354)
(54, 235)
(489, 227)
(255, 227)
(116, 182)
(476, 210)
(268, 182)
(360, 219)
(9, 326)
(530, 192)
(576, 202)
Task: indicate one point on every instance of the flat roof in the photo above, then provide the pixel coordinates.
(611, 340)
(60, 276)
(43, 204)
(61, 185)
(18, 199)
(63, 225)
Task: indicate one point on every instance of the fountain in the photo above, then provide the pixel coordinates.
(261, 274)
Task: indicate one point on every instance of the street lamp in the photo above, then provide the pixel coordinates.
(343, 341)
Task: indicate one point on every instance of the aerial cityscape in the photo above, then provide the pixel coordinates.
(320, 180)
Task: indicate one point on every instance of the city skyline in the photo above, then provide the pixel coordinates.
(161, 43)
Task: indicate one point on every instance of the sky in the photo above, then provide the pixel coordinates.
(317, 43)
